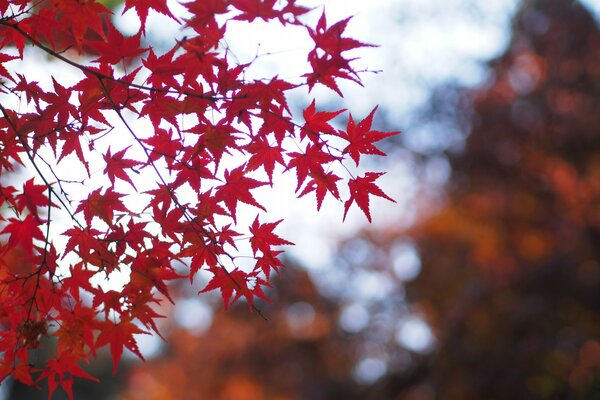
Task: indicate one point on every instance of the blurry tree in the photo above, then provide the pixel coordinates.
(510, 262)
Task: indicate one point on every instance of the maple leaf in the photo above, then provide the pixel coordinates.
(207, 208)
(118, 336)
(236, 283)
(79, 279)
(61, 371)
(317, 122)
(33, 196)
(164, 146)
(330, 39)
(237, 188)
(327, 69)
(116, 47)
(264, 155)
(360, 189)
(153, 267)
(22, 373)
(163, 69)
(252, 9)
(140, 307)
(143, 6)
(311, 161)
(215, 138)
(6, 195)
(116, 166)
(204, 11)
(276, 123)
(293, 9)
(3, 71)
(361, 137)
(202, 253)
(31, 90)
(75, 17)
(77, 331)
(193, 172)
(226, 235)
(23, 232)
(102, 206)
(263, 237)
(267, 262)
(202, 110)
(321, 183)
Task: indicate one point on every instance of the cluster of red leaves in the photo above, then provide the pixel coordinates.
(165, 233)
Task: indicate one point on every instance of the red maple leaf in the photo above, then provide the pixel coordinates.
(23, 232)
(118, 336)
(204, 11)
(61, 370)
(361, 137)
(252, 9)
(330, 39)
(316, 122)
(6, 58)
(116, 47)
(102, 206)
(311, 161)
(163, 69)
(143, 6)
(202, 109)
(263, 237)
(322, 182)
(236, 283)
(33, 196)
(360, 189)
(117, 166)
(264, 155)
(237, 188)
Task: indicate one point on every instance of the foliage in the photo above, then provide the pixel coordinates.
(510, 262)
(166, 202)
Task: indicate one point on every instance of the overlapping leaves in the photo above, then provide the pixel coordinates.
(161, 201)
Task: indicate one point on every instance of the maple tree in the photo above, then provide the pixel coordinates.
(164, 204)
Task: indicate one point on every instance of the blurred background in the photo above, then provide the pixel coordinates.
(482, 282)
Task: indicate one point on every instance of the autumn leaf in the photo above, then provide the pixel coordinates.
(330, 39)
(265, 156)
(116, 47)
(316, 122)
(116, 166)
(118, 336)
(321, 183)
(252, 9)
(3, 71)
(234, 284)
(142, 7)
(263, 237)
(361, 137)
(23, 232)
(61, 371)
(309, 162)
(360, 190)
(237, 188)
(32, 197)
(101, 205)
